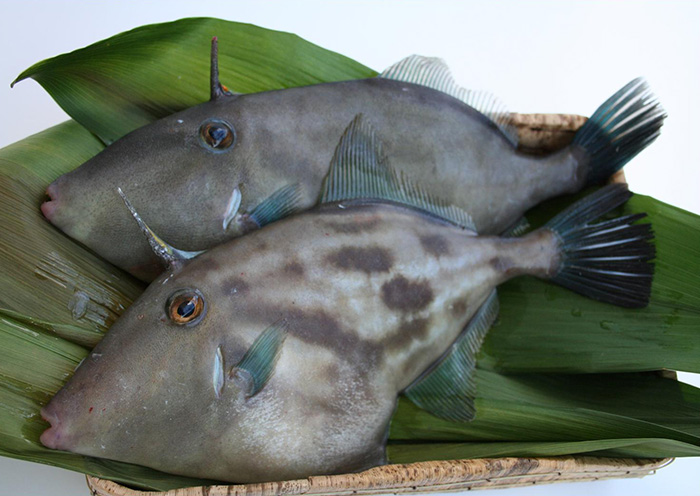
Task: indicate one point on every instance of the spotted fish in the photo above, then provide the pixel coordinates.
(228, 166)
(281, 354)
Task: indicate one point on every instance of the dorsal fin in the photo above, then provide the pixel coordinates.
(447, 389)
(359, 169)
(216, 89)
(434, 73)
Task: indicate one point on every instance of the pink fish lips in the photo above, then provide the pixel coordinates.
(54, 437)
(48, 208)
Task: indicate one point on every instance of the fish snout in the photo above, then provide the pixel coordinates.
(55, 436)
(48, 208)
(66, 210)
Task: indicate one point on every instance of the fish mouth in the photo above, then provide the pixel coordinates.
(54, 436)
(48, 208)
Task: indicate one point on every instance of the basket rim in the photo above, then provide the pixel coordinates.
(420, 477)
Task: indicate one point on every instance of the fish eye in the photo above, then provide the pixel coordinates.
(216, 135)
(186, 307)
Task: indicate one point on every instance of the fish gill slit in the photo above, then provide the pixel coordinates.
(218, 379)
(234, 204)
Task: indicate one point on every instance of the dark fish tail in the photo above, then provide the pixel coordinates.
(619, 129)
(608, 261)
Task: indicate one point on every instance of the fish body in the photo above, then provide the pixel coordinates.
(372, 294)
(197, 195)
(280, 354)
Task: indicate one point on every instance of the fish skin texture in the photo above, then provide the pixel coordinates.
(371, 295)
(182, 190)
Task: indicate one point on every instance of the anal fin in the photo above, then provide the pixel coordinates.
(447, 389)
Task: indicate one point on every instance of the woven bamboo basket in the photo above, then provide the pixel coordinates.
(538, 134)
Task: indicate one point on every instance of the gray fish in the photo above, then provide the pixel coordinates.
(225, 167)
(281, 354)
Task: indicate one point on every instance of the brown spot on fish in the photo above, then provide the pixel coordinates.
(504, 266)
(262, 245)
(415, 329)
(236, 285)
(363, 259)
(331, 372)
(317, 327)
(409, 330)
(294, 268)
(498, 264)
(459, 308)
(435, 245)
(405, 295)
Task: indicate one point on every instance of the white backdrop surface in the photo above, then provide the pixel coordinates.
(537, 56)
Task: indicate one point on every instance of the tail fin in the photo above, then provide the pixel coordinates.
(619, 129)
(608, 261)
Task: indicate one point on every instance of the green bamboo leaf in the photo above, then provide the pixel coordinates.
(121, 83)
(544, 328)
(615, 448)
(23, 347)
(47, 278)
(546, 407)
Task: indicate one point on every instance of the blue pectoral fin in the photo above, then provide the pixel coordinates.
(259, 361)
(447, 389)
(283, 202)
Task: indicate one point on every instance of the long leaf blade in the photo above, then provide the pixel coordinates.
(615, 448)
(547, 407)
(60, 285)
(121, 83)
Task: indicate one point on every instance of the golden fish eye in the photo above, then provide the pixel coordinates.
(186, 307)
(216, 135)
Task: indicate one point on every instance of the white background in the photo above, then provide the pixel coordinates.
(537, 56)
